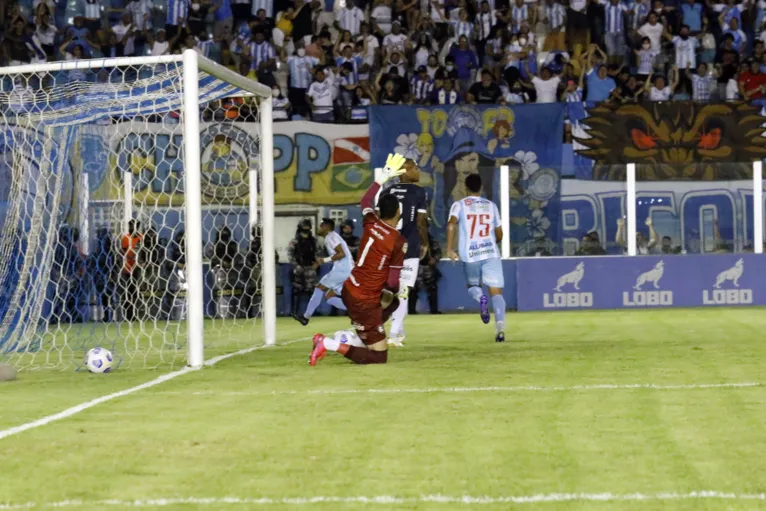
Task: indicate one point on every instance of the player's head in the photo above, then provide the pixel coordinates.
(473, 183)
(388, 205)
(327, 226)
(412, 172)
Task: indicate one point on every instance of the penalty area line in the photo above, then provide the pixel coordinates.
(392, 499)
(152, 383)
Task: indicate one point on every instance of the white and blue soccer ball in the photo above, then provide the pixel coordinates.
(99, 360)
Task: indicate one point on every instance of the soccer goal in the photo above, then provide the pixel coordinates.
(136, 212)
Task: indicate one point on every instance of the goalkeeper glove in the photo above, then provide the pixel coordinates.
(393, 168)
(403, 293)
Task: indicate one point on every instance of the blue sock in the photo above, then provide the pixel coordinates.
(336, 302)
(475, 292)
(316, 299)
(498, 304)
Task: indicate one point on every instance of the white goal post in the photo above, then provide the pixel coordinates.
(188, 102)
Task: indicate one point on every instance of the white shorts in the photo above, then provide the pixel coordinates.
(409, 272)
(335, 278)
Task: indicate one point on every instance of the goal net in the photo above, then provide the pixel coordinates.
(136, 212)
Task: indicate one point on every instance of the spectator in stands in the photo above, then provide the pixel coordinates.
(390, 94)
(752, 82)
(466, 61)
(702, 83)
(590, 245)
(422, 86)
(300, 68)
(485, 91)
(643, 246)
(658, 90)
(320, 97)
(46, 33)
(125, 35)
(93, 10)
(396, 41)
(555, 20)
(347, 233)
(262, 57)
(667, 246)
(614, 37)
(446, 94)
(727, 61)
(692, 16)
(14, 45)
(159, 44)
(654, 30)
(177, 14)
(281, 105)
(349, 18)
(600, 85)
(546, 85)
(360, 104)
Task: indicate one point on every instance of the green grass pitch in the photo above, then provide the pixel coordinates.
(458, 415)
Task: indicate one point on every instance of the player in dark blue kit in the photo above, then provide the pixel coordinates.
(414, 227)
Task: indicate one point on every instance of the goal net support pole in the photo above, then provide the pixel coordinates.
(193, 63)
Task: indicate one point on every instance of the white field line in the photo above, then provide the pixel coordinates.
(103, 399)
(391, 499)
(512, 389)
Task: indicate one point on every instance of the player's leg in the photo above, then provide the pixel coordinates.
(314, 301)
(330, 283)
(473, 280)
(492, 277)
(408, 277)
(332, 297)
(368, 320)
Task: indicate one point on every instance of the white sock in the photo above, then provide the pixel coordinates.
(475, 292)
(331, 343)
(350, 338)
(397, 318)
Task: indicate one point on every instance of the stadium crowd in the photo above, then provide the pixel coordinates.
(330, 59)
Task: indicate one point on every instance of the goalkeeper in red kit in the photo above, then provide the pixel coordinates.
(368, 292)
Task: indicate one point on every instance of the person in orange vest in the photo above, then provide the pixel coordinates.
(131, 274)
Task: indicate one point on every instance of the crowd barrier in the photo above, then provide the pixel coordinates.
(608, 282)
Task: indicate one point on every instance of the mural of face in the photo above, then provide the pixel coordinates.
(464, 165)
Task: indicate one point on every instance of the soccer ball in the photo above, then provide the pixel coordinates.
(99, 360)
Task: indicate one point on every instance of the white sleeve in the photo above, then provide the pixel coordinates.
(455, 210)
(498, 220)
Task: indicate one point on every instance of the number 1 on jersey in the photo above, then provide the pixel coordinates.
(367, 246)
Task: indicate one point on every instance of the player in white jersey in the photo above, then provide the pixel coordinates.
(331, 284)
(480, 232)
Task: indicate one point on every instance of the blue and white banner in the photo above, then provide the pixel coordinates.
(639, 282)
(450, 142)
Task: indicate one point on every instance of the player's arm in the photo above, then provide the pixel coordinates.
(653, 238)
(422, 206)
(337, 256)
(498, 226)
(451, 228)
(619, 238)
(423, 232)
(393, 168)
(454, 214)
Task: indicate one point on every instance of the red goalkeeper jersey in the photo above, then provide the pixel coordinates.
(381, 256)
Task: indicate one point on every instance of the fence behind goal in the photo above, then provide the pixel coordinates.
(134, 214)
